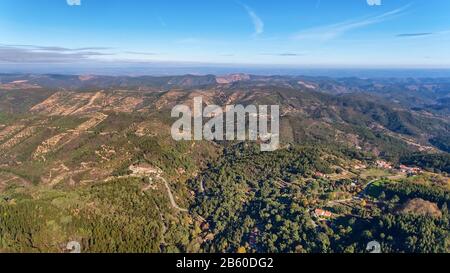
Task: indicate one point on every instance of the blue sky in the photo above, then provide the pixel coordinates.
(303, 33)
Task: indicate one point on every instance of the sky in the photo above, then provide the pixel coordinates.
(291, 33)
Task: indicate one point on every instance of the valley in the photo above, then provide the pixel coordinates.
(91, 159)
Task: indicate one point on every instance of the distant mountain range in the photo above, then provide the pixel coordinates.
(431, 94)
(417, 108)
(172, 69)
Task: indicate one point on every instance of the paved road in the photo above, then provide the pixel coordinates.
(361, 194)
(172, 199)
(202, 186)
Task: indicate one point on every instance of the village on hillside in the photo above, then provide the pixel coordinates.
(362, 177)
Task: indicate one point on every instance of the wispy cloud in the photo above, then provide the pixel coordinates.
(284, 54)
(55, 48)
(329, 32)
(140, 53)
(73, 2)
(374, 2)
(415, 34)
(423, 34)
(47, 54)
(289, 55)
(256, 20)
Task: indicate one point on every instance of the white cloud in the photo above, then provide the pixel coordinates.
(257, 21)
(48, 54)
(74, 2)
(374, 2)
(329, 32)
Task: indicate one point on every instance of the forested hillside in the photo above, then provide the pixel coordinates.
(91, 159)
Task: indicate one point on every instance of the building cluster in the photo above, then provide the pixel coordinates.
(384, 165)
(410, 170)
(402, 168)
(320, 213)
